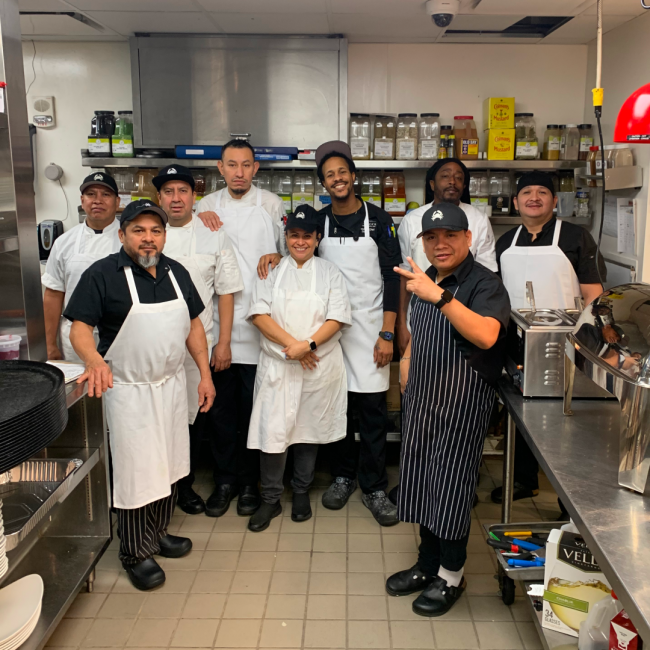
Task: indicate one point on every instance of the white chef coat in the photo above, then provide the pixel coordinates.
(482, 237)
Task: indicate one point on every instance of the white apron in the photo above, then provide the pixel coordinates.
(555, 283)
(192, 372)
(105, 244)
(358, 261)
(251, 233)
(146, 409)
(293, 405)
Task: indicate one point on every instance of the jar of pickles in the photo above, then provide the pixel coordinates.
(360, 136)
(384, 138)
(407, 136)
(429, 136)
(527, 146)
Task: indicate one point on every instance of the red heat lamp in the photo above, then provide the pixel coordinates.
(633, 121)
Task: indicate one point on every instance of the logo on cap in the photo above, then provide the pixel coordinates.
(98, 177)
(147, 205)
(437, 215)
(300, 215)
(171, 170)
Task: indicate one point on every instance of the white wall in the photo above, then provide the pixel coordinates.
(626, 53)
(82, 77)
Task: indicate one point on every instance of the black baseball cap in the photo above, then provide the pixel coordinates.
(305, 217)
(139, 207)
(173, 173)
(99, 178)
(333, 146)
(445, 216)
(536, 178)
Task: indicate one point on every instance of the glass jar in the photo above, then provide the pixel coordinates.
(303, 189)
(552, 138)
(262, 180)
(594, 155)
(199, 186)
(371, 189)
(282, 184)
(406, 141)
(214, 181)
(125, 181)
(321, 197)
(527, 146)
(571, 138)
(360, 136)
(478, 191)
(582, 204)
(499, 192)
(383, 147)
(562, 128)
(429, 136)
(466, 137)
(609, 157)
(144, 187)
(102, 127)
(622, 156)
(395, 193)
(122, 139)
(586, 140)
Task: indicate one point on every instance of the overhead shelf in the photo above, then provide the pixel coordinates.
(617, 178)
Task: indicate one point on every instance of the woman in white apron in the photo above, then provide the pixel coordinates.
(301, 382)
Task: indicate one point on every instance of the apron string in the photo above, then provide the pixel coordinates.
(556, 233)
(135, 299)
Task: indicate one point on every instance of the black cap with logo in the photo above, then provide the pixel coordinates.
(445, 216)
(304, 217)
(173, 173)
(99, 178)
(136, 208)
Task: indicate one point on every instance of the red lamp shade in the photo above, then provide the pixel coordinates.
(633, 121)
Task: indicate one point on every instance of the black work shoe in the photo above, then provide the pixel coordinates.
(145, 575)
(190, 502)
(219, 501)
(338, 493)
(261, 520)
(519, 492)
(300, 507)
(173, 546)
(384, 512)
(248, 501)
(408, 582)
(437, 599)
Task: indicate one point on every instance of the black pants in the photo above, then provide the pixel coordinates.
(140, 529)
(230, 416)
(526, 465)
(435, 552)
(367, 414)
(196, 436)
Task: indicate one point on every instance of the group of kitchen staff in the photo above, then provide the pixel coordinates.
(319, 371)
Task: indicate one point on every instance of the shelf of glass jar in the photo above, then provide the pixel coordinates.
(617, 178)
(99, 163)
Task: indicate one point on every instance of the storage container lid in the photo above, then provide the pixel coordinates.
(104, 112)
(563, 126)
(524, 115)
(429, 114)
(552, 126)
(594, 148)
(407, 115)
(463, 117)
(125, 112)
(571, 126)
(359, 114)
(584, 126)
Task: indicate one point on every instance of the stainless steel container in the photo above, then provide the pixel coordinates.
(610, 344)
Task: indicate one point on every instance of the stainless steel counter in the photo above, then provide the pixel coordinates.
(579, 455)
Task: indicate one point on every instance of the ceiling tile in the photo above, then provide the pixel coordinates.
(486, 38)
(529, 7)
(265, 6)
(126, 23)
(272, 23)
(384, 28)
(618, 8)
(135, 5)
(55, 26)
(42, 5)
(479, 22)
(371, 8)
(582, 29)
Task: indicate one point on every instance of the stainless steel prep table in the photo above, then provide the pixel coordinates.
(579, 455)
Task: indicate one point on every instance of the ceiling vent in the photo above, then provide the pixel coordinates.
(536, 27)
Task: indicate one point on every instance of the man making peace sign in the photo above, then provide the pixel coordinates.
(459, 315)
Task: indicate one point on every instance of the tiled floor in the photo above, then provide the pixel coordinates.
(317, 584)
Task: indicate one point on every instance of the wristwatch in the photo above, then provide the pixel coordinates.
(387, 336)
(445, 299)
(312, 344)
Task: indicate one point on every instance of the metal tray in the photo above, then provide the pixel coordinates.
(29, 491)
(534, 574)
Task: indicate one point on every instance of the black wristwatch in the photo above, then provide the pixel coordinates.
(445, 299)
(312, 344)
(387, 336)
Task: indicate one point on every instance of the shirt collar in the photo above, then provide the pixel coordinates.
(187, 226)
(460, 273)
(114, 225)
(123, 259)
(305, 267)
(545, 228)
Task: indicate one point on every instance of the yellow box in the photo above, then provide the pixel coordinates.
(500, 144)
(499, 113)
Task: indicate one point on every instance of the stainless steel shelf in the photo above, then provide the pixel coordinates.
(550, 638)
(99, 163)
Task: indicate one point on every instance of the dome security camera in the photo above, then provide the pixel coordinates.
(442, 12)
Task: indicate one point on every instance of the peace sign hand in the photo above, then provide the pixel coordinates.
(419, 283)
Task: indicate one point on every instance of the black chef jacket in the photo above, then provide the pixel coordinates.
(482, 291)
(102, 298)
(382, 230)
(575, 242)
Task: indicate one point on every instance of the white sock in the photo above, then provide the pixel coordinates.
(453, 578)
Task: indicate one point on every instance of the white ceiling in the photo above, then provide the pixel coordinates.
(373, 21)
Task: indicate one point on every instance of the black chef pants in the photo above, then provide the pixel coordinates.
(140, 529)
(435, 552)
(196, 436)
(526, 465)
(367, 414)
(230, 416)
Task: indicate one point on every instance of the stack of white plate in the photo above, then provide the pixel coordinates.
(4, 564)
(20, 609)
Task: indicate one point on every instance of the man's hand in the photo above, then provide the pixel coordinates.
(211, 220)
(403, 338)
(221, 357)
(53, 353)
(419, 283)
(263, 266)
(610, 335)
(99, 376)
(207, 393)
(383, 352)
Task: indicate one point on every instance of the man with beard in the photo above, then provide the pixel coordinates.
(146, 309)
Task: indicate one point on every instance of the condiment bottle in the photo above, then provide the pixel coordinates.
(551, 142)
(360, 136)
(594, 154)
(395, 193)
(562, 128)
(466, 137)
(571, 139)
(442, 150)
(586, 140)
(451, 147)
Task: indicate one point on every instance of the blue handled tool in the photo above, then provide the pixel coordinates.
(540, 561)
(527, 545)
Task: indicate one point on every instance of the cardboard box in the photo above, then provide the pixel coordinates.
(394, 398)
(623, 634)
(573, 582)
(500, 144)
(394, 373)
(499, 113)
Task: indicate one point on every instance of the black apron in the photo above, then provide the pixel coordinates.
(447, 408)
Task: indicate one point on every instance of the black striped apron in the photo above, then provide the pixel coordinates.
(447, 409)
